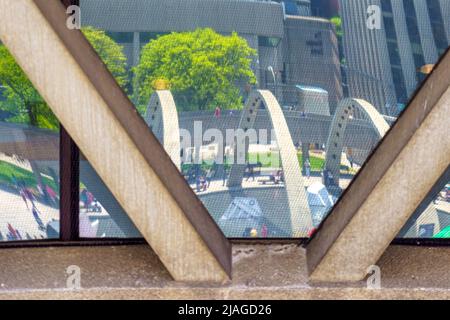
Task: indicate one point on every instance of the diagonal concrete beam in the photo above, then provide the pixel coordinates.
(84, 96)
(390, 186)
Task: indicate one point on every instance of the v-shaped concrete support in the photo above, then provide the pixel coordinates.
(86, 99)
(392, 183)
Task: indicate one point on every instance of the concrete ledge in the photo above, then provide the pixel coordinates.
(134, 272)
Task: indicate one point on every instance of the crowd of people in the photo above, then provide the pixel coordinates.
(30, 197)
(89, 202)
(253, 232)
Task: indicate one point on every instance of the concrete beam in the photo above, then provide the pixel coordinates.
(396, 178)
(90, 105)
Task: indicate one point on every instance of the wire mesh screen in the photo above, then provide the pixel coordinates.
(431, 220)
(29, 158)
(268, 109)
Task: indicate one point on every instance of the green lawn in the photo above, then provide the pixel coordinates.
(444, 234)
(8, 170)
(272, 160)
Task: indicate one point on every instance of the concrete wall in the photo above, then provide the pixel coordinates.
(367, 58)
(367, 55)
(295, 55)
(445, 8)
(311, 57)
(247, 17)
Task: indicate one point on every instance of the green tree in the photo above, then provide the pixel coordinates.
(337, 22)
(111, 53)
(203, 68)
(23, 100)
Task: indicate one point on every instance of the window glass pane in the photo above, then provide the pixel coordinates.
(432, 219)
(29, 158)
(277, 104)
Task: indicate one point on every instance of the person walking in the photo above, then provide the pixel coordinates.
(209, 176)
(198, 183)
(12, 232)
(307, 168)
(251, 172)
(52, 194)
(29, 195)
(38, 219)
(24, 197)
(14, 181)
(264, 231)
(84, 198)
(217, 112)
(224, 176)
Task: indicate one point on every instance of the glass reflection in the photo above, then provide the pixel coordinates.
(101, 216)
(29, 158)
(432, 219)
(331, 78)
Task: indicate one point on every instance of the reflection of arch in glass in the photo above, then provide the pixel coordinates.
(300, 215)
(162, 118)
(341, 118)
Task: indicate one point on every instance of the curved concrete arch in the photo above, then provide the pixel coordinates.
(162, 118)
(335, 142)
(300, 214)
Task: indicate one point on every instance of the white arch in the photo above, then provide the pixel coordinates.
(300, 215)
(162, 118)
(335, 142)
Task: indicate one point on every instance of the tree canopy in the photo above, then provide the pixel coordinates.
(337, 22)
(111, 53)
(23, 101)
(202, 68)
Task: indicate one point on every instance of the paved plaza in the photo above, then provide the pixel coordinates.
(14, 211)
(257, 183)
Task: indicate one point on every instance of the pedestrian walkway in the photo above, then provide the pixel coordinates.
(218, 186)
(14, 211)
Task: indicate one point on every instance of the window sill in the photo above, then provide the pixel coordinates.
(134, 272)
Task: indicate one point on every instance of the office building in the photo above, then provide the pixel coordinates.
(288, 42)
(385, 65)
